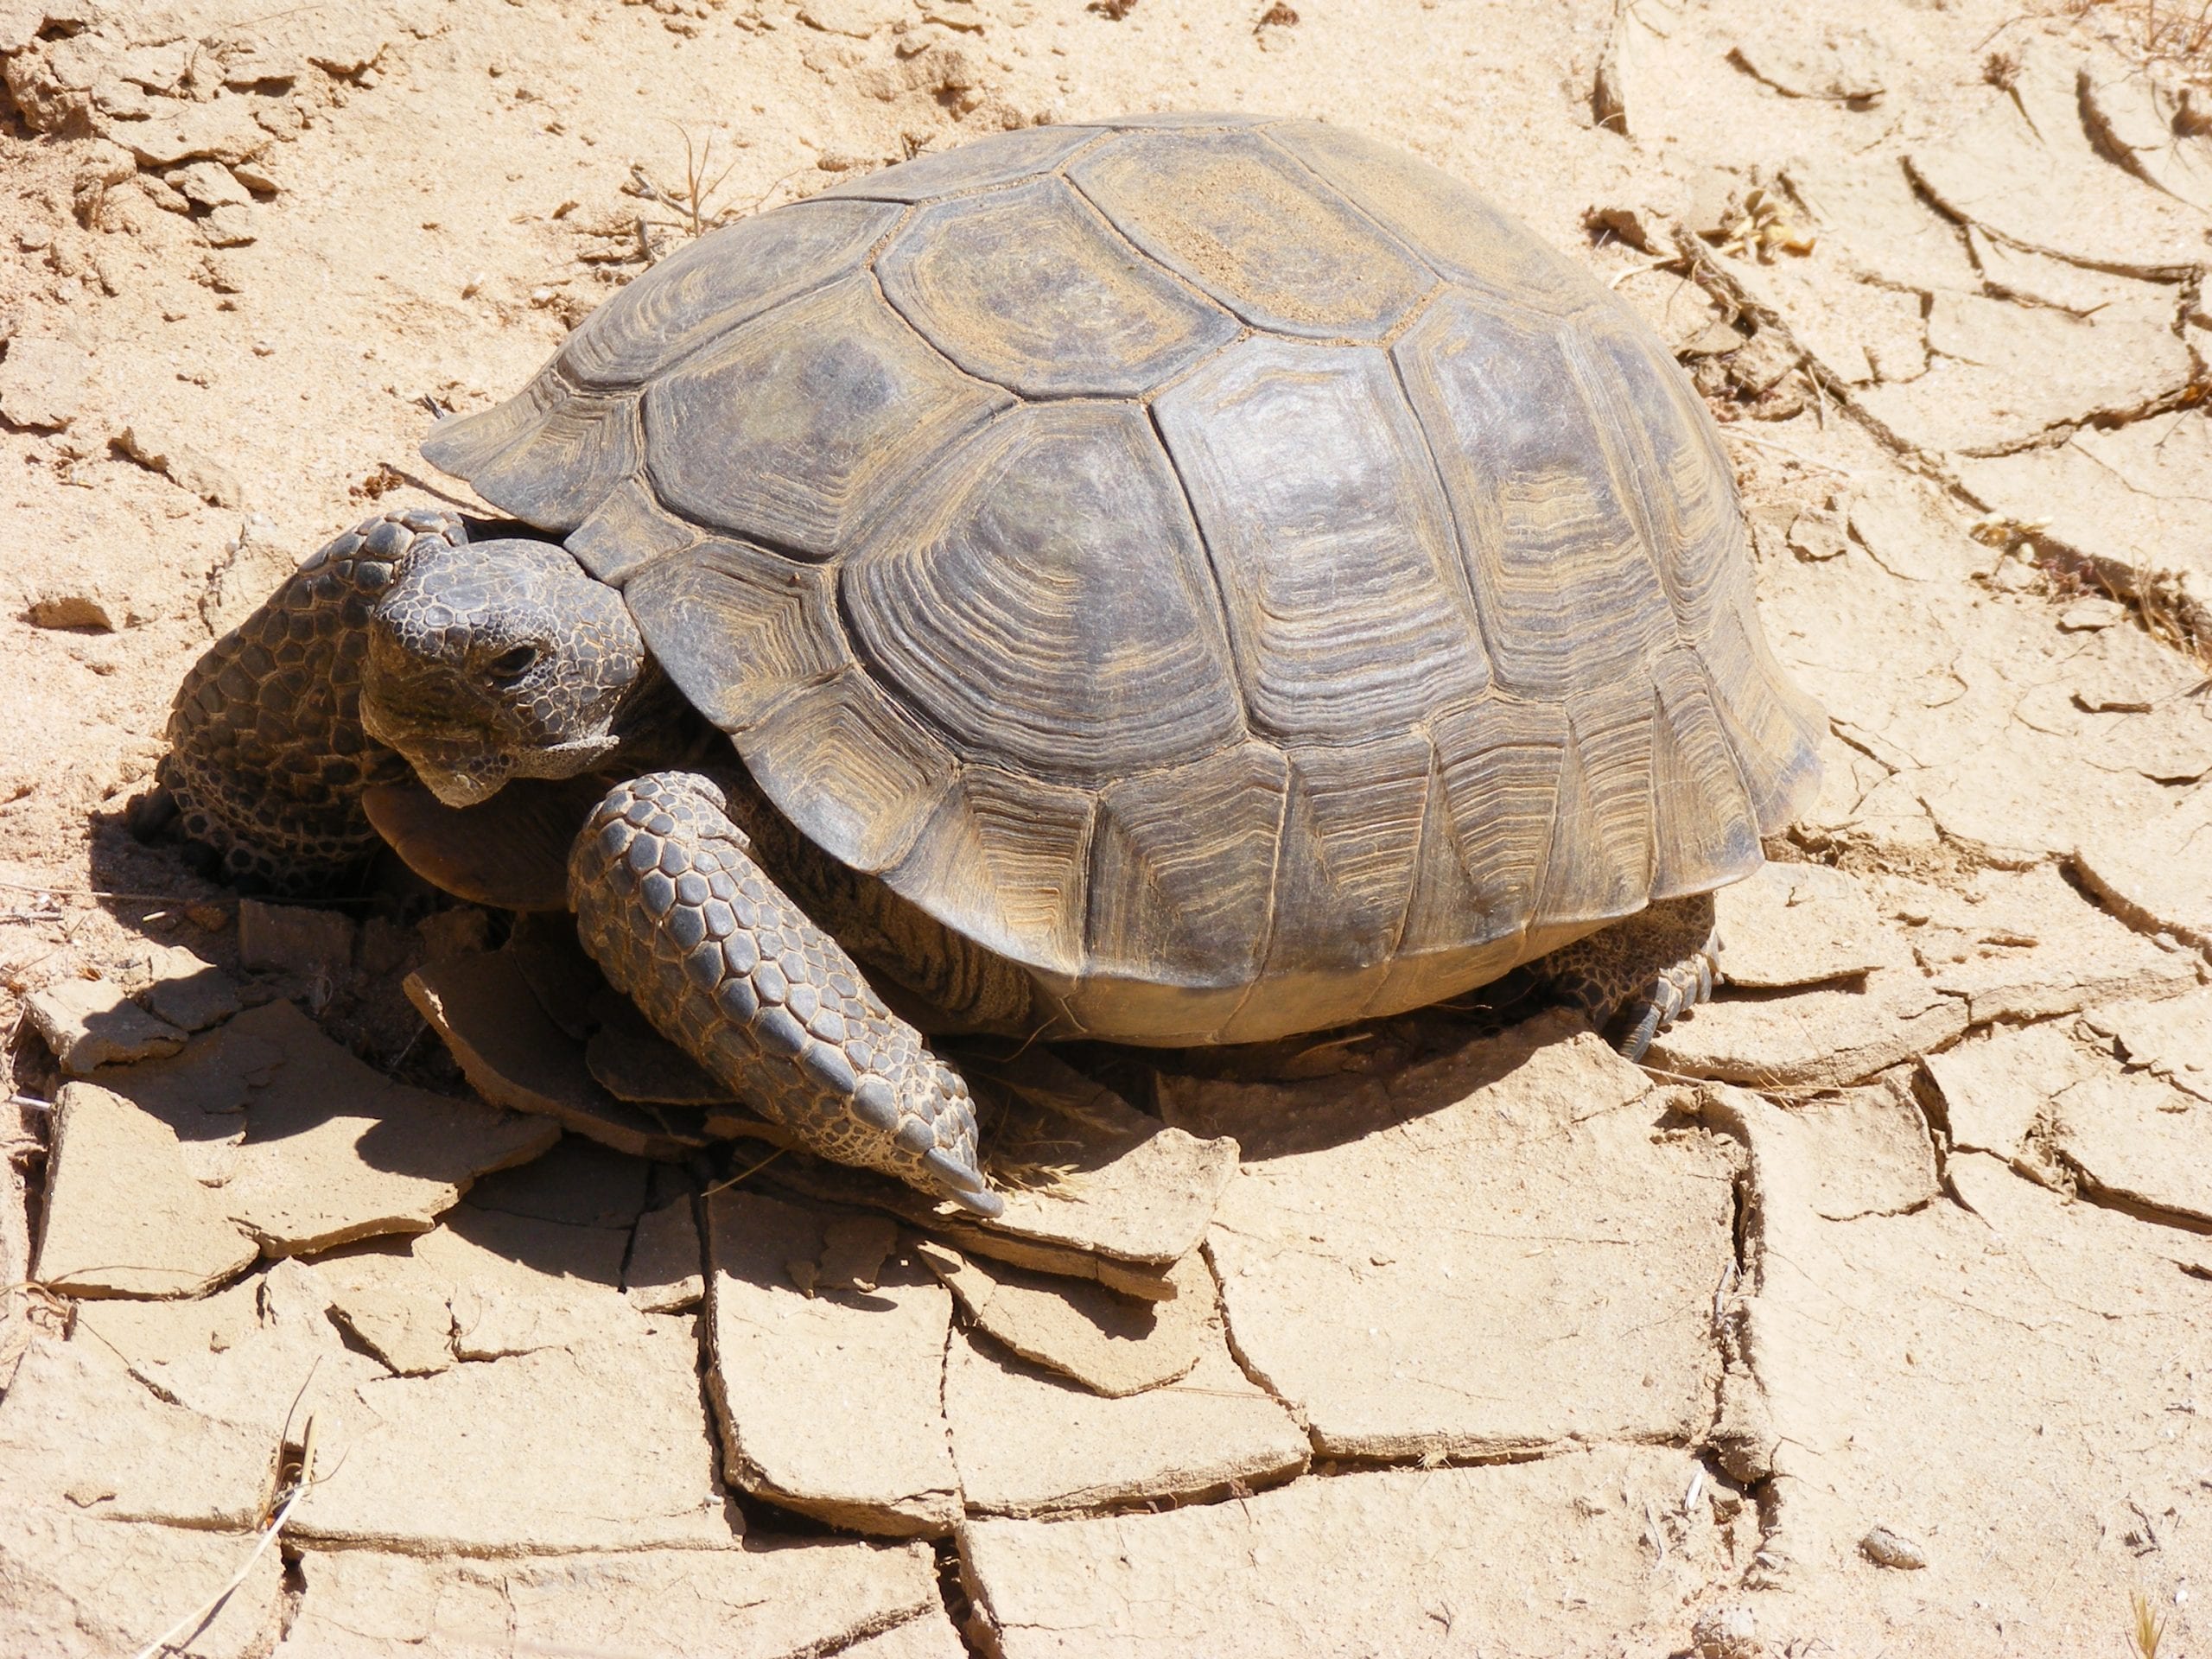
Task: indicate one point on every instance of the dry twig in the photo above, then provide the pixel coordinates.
(199, 1615)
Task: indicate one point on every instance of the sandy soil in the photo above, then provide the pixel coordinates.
(1870, 1317)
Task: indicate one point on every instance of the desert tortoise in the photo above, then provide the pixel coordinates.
(1181, 580)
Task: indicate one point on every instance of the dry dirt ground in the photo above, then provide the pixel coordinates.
(1870, 1317)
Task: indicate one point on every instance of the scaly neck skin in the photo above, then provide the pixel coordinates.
(656, 728)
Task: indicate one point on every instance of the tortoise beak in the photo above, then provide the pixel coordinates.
(452, 759)
(459, 788)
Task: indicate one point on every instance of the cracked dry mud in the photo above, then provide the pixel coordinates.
(1867, 1318)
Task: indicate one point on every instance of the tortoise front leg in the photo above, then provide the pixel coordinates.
(670, 900)
(268, 761)
(1634, 979)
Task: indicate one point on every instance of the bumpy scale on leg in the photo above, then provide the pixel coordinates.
(671, 904)
(267, 759)
(1634, 979)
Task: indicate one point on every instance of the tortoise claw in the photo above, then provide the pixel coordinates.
(1634, 979)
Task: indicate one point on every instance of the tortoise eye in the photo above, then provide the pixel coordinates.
(514, 663)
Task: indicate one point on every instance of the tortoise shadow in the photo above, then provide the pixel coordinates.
(1277, 1117)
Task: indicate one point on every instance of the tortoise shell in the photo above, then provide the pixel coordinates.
(1223, 566)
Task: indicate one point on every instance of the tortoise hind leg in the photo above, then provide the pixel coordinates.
(1634, 979)
(670, 900)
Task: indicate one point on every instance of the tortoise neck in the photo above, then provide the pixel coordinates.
(656, 728)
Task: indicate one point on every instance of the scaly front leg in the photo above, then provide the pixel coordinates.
(670, 900)
(268, 761)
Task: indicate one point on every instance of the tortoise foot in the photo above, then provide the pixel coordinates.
(728, 967)
(1634, 979)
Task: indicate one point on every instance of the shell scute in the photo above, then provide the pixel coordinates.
(1043, 599)
(739, 629)
(1565, 584)
(1233, 214)
(1346, 597)
(1027, 288)
(718, 283)
(791, 431)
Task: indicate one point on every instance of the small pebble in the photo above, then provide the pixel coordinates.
(1725, 1633)
(1887, 1548)
(2087, 615)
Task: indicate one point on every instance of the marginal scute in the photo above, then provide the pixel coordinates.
(1600, 865)
(556, 475)
(1686, 495)
(1436, 956)
(1499, 760)
(1237, 216)
(1182, 880)
(549, 455)
(1002, 862)
(1568, 593)
(459, 444)
(856, 773)
(1347, 601)
(1041, 596)
(1028, 288)
(1704, 832)
(738, 629)
(715, 284)
(1774, 728)
(1350, 833)
(1001, 159)
(1351, 838)
(1451, 226)
(801, 423)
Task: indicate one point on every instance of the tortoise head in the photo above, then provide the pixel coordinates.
(498, 659)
